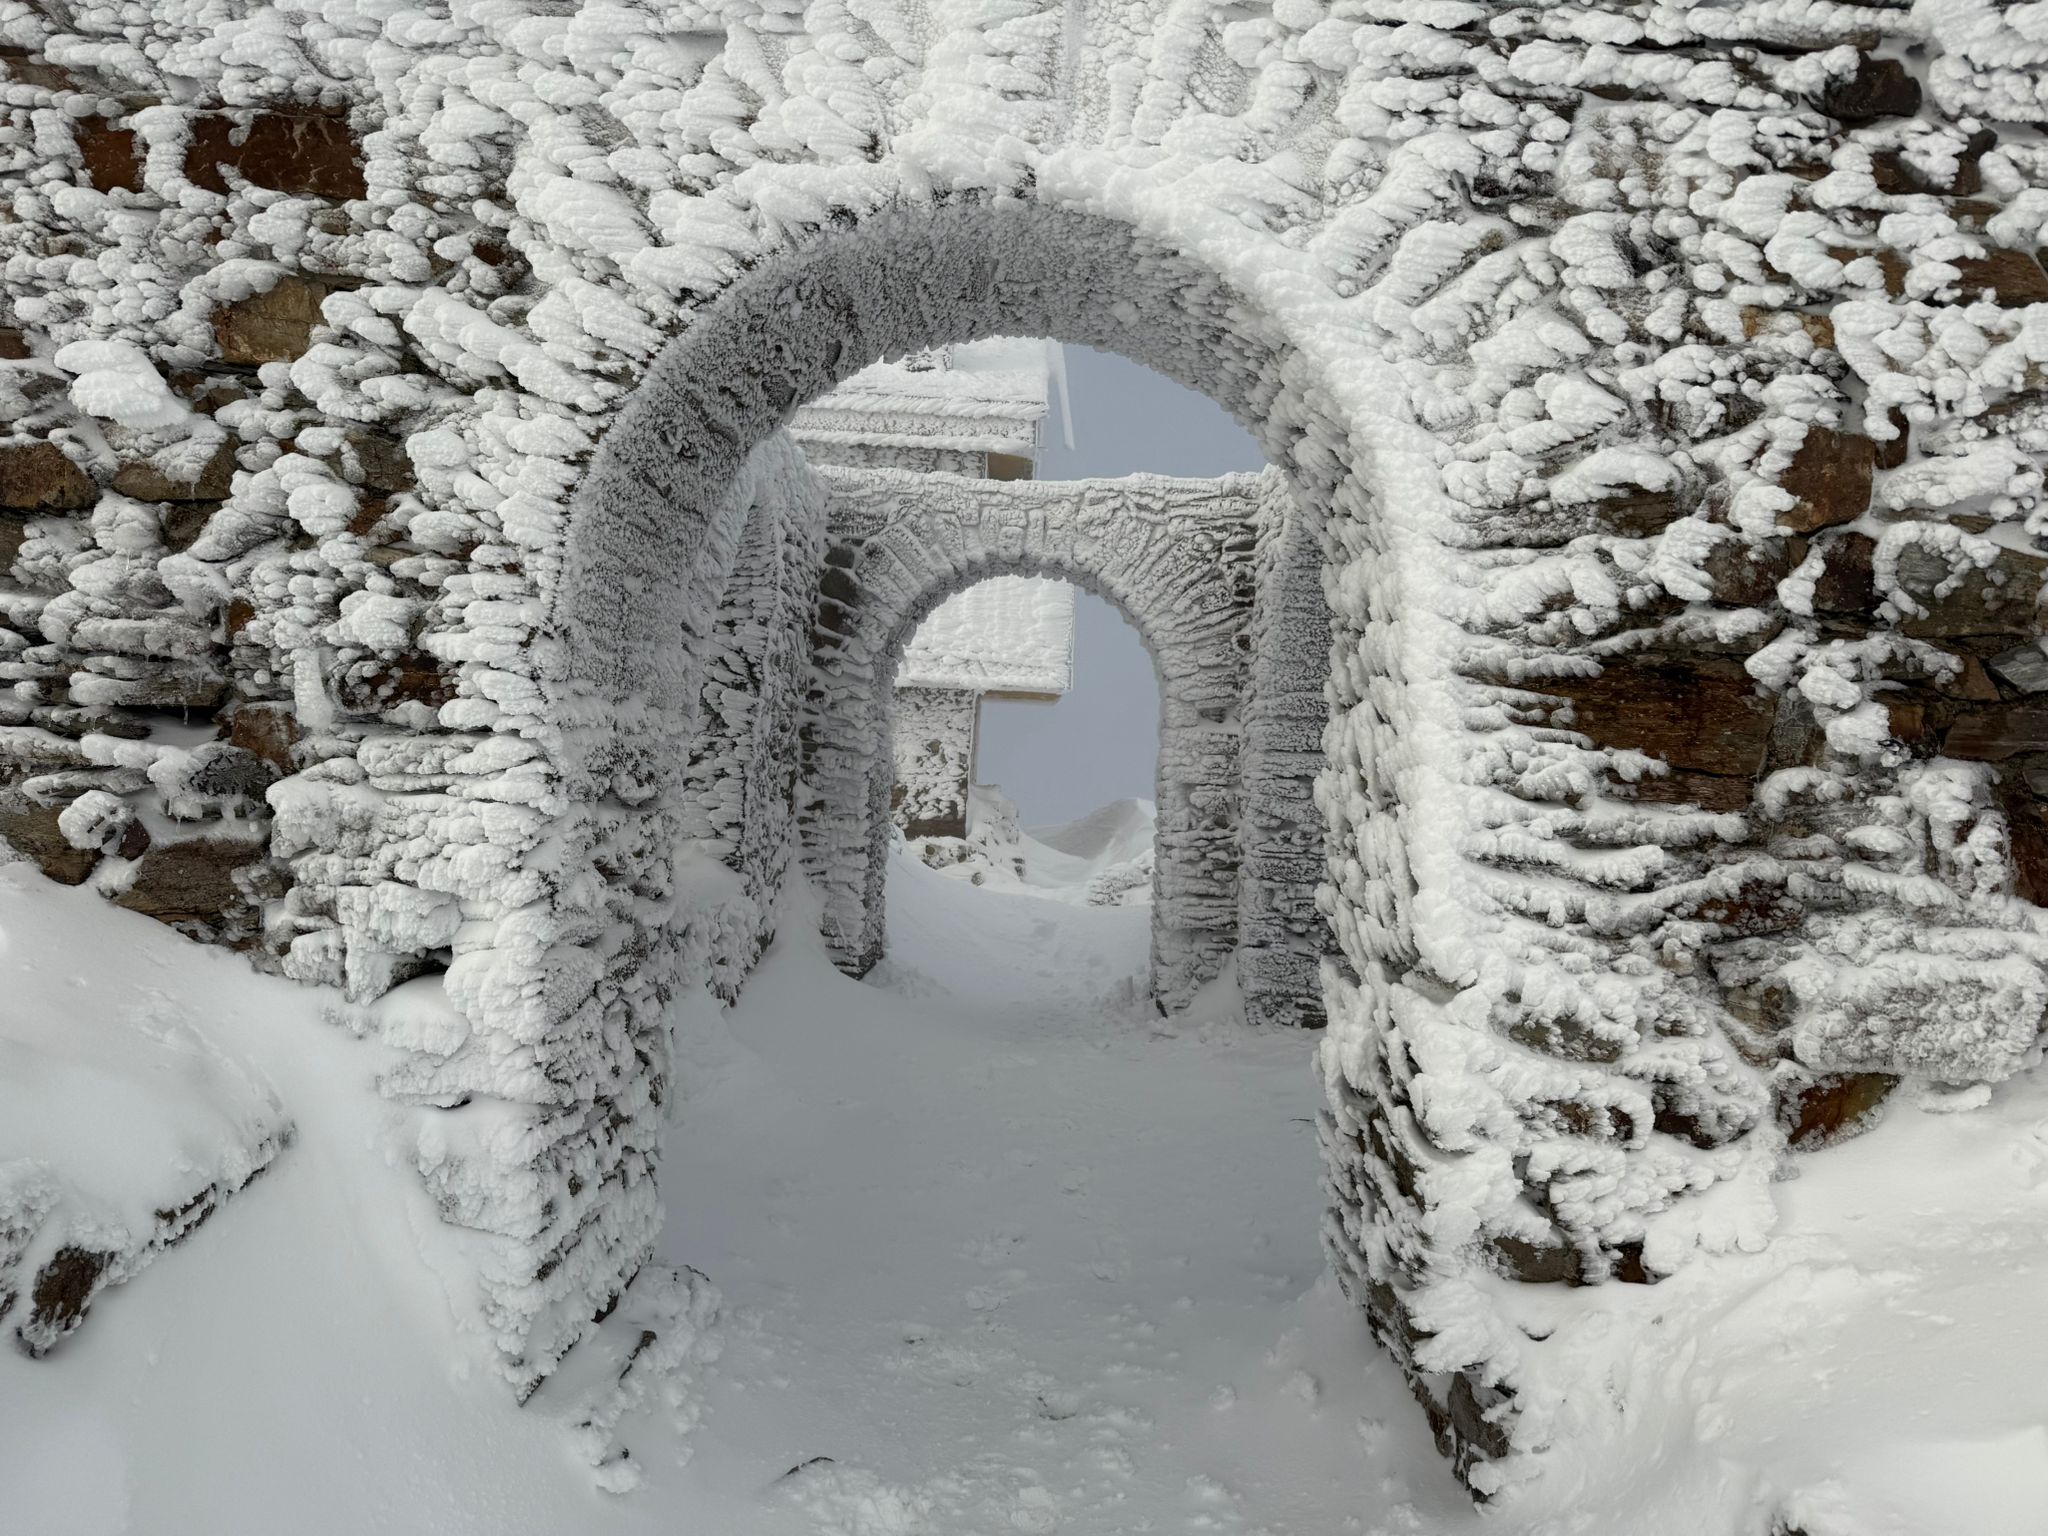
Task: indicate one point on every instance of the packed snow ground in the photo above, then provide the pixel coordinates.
(999, 1252)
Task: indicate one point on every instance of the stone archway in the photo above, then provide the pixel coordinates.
(1175, 556)
(1615, 402)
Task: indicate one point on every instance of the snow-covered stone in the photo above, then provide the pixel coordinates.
(1535, 311)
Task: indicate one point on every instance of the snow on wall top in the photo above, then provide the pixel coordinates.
(989, 396)
(1011, 634)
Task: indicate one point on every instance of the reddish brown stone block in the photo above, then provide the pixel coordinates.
(32, 831)
(1893, 451)
(37, 477)
(1699, 716)
(1832, 1107)
(1704, 790)
(306, 154)
(1747, 575)
(268, 731)
(1999, 599)
(190, 881)
(272, 327)
(145, 482)
(113, 157)
(1830, 475)
(2011, 279)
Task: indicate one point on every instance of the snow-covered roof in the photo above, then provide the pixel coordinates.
(990, 396)
(1010, 634)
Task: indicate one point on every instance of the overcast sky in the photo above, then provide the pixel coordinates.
(1100, 742)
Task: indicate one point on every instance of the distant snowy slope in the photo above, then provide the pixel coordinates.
(1109, 834)
(1103, 859)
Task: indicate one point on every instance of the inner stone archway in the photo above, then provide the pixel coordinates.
(1177, 557)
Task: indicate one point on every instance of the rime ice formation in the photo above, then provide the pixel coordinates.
(392, 394)
(1176, 556)
(934, 741)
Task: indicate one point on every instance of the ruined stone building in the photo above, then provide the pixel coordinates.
(421, 570)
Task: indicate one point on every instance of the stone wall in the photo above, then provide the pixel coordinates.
(934, 758)
(1665, 385)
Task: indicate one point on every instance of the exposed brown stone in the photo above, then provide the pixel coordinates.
(306, 154)
(1893, 451)
(1639, 516)
(31, 830)
(1677, 1117)
(184, 521)
(2012, 279)
(1830, 476)
(265, 730)
(1907, 720)
(190, 881)
(380, 462)
(1747, 575)
(13, 345)
(113, 158)
(145, 482)
(1970, 682)
(1629, 1268)
(2026, 820)
(1754, 907)
(63, 1289)
(13, 533)
(1895, 175)
(369, 513)
(1992, 735)
(1878, 88)
(134, 842)
(1834, 1106)
(26, 68)
(1538, 1263)
(1848, 584)
(239, 615)
(1703, 717)
(37, 477)
(272, 327)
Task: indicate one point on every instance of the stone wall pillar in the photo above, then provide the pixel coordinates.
(934, 753)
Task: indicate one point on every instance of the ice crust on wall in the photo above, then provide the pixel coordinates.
(1010, 634)
(933, 759)
(1635, 364)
